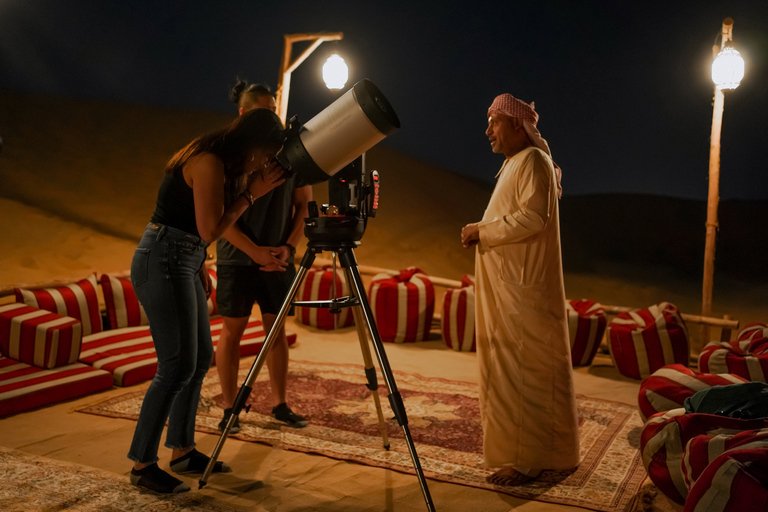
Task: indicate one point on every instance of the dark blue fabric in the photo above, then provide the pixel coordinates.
(164, 273)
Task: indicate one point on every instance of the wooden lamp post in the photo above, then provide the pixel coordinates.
(727, 72)
(287, 67)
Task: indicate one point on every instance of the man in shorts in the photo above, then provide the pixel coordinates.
(255, 265)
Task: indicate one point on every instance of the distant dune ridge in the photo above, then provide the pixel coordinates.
(79, 178)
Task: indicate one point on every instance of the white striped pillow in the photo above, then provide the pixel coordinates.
(77, 300)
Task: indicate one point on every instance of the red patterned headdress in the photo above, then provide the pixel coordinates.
(508, 105)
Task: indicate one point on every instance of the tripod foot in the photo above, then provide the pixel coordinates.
(201, 484)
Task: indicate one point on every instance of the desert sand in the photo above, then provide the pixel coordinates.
(78, 180)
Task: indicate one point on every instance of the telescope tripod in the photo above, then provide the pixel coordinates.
(363, 319)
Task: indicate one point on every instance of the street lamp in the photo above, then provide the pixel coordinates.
(287, 67)
(727, 72)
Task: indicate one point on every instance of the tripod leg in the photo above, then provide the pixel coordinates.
(348, 261)
(247, 387)
(370, 370)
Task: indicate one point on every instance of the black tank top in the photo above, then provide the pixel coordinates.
(176, 204)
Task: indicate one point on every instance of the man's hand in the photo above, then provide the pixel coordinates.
(268, 260)
(283, 252)
(470, 235)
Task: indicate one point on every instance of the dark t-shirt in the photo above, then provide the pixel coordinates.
(175, 205)
(268, 222)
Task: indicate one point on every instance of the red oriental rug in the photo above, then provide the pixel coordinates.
(444, 420)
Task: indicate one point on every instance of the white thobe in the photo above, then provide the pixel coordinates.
(527, 398)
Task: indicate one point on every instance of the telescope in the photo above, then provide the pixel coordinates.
(331, 146)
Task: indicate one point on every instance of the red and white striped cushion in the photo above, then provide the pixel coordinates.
(24, 387)
(586, 326)
(668, 387)
(643, 341)
(213, 308)
(747, 356)
(318, 285)
(78, 300)
(665, 436)
(457, 323)
(704, 449)
(123, 308)
(752, 332)
(736, 481)
(129, 354)
(39, 337)
(403, 305)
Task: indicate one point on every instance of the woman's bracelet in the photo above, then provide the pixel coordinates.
(248, 197)
(291, 248)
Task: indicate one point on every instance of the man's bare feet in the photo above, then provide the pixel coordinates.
(509, 476)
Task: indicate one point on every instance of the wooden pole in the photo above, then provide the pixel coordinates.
(287, 67)
(713, 197)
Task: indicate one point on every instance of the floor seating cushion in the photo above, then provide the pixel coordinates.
(736, 481)
(668, 387)
(666, 435)
(38, 337)
(318, 284)
(641, 342)
(403, 305)
(704, 449)
(747, 356)
(457, 323)
(24, 387)
(77, 300)
(586, 326)
(129, 353)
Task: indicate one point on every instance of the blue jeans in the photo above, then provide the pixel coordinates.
(164, 273)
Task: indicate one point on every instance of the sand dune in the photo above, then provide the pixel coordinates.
(78, 181)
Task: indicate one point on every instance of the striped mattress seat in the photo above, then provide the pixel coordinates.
(129, 353)
(668, 387)
(24, 387)
(734, 482)
(665, 437)
(586, 326)
(747, 356)
(643, 341)
(403, 305)
(457, 324)
(38, 337)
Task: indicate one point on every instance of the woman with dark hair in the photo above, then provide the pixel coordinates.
(207, 185)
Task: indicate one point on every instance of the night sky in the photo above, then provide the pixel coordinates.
(622, 88)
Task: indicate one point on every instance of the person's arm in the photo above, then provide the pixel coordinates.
(261, 255)
(205, 174)
(535, 187)
(301, 198)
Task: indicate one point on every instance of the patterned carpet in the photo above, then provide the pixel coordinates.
(443, 417)
(37, 484)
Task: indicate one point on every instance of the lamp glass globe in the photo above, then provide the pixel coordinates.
(728, 69)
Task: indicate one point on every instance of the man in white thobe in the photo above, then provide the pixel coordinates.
(527, 399)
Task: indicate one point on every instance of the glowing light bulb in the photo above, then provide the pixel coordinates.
(335, 72)
(727, 69)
